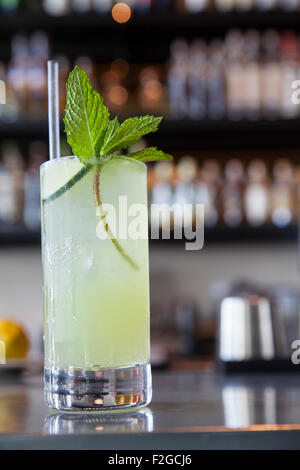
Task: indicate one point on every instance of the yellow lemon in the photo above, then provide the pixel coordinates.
(14, 338)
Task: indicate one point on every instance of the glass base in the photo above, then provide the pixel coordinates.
(98, 390)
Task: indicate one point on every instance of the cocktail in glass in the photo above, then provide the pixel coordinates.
(96, 288)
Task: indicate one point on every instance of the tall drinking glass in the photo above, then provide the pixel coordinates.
(96, 290)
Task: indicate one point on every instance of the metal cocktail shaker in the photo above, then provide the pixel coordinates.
(250, 330)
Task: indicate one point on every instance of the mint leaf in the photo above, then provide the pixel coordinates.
(108, 134)
(86, 117)
(150, 154)
(130, 132)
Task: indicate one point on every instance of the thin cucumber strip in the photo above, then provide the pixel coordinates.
(77, 177)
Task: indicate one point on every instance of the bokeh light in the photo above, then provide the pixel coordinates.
(121, 67)
(118, 95)
(121, 12)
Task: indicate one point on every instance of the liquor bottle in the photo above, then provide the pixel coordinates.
(37, 155)
(266, 4)
(289, 5)
(14, 166)
(64, 70)
(224, 5)
(36, 74)
(102, 6)
(17, 73)
(256, 194)
(207, 191)
(235, 75)
(178, 77)
(252, 75)
(184, 191)
(282, 193)
(194, 6)
(216, 86)
(56, 7)
(114, 92)
(3, 91)
(162, 189)
(289, 67)
(81, 6)
(161, 197)
(39, 46)
(8, 112)
(297, 195)
(232, 193)
(151, 93)
(244, 5)
(197, 80)
(9, 6)
(270, 75)
(6, 196)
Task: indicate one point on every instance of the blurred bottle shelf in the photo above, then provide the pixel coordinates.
(209, 21)
(188, 134)
(231, 86)
(104, 34)
(244, 234)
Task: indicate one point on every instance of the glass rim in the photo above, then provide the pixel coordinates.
(73, 157)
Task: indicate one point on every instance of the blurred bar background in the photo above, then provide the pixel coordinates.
(221, 73)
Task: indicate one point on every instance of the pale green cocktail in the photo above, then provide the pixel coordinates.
(95, 254)
(96, 302)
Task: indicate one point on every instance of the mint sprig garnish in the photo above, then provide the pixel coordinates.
(86, 117)
(94, 139)
(90, 133)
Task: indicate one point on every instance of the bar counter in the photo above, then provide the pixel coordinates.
(191, 410)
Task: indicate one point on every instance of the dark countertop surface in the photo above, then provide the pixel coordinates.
(189, 410)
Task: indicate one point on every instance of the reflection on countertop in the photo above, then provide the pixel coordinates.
(111, 423)
(182, 402)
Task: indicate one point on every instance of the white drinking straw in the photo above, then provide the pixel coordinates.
(53, 110)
